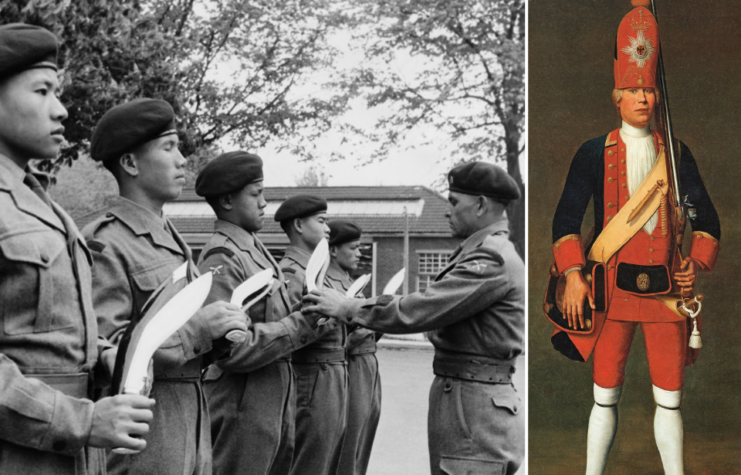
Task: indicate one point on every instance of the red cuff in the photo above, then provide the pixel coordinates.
(704, 249)
(568, 252)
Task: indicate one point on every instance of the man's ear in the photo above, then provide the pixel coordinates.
(225, 201)
(482, 206)
(129, 164)
(298, 225)
(333, 251)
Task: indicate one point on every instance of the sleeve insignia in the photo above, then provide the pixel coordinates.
(216, 270)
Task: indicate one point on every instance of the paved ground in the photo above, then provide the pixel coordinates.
(401, 441)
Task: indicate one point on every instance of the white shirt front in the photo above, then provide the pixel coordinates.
(640, 156)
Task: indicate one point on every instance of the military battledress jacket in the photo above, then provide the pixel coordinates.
(363, 395)
(474, 315)
(321, 382)
(251, 392)
(48, 336)
(134, 251)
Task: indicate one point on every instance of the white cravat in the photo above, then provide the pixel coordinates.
(640, 156)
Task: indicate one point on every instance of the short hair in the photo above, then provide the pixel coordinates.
(287, 224)
(213, 201)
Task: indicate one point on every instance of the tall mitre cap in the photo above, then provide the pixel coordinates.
(637, 48)
(25, 47)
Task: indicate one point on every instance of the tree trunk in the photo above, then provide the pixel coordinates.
(516, 210)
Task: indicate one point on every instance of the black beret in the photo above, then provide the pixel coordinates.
(126, 126)
(485, 179)
(341, 232)
(300, 206)
(229, 172)
(25, 47)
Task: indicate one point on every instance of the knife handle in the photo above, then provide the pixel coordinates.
(236, 336)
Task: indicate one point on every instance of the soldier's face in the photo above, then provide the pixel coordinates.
(637, 106)
(462, 214)
(31, 115)
(249, 207)
(347, 255)
(161, 168)
(315, 228)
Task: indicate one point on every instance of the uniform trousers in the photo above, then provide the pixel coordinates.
(363, 413)
(475, 428)
(252, 420)
(321, 417)
(666, 348)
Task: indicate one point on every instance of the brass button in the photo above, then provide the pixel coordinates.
(610, 180)
(650, 249)
(611, 166)
(623, 150)
(624, 185)
(627, 197)
(650, 261)
(609, 218)
(622, 173)
(610, 153)
(610, 205)
(44, 257)
(652, 238)
(626, 299)
(558, 245)
(609, 267)
(623, 160)
(575, 238)
(699, 236)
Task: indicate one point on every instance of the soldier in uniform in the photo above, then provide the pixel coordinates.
(363, 379)
(135, 249)
(474, 311)
(251, 393)
(321, 373)
(49, 344)
(613, 169)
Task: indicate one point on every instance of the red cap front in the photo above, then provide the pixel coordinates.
(637, 50)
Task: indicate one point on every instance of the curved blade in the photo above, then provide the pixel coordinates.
(357, 287)
(317, 266)
(173, 315)
(394, 283)
(254, 284)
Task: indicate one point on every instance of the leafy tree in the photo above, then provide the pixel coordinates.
(312, 176)
(230, 69)
(452, 66)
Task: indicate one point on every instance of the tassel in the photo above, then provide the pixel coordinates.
(695, 341)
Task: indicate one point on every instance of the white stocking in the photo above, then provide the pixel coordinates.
(602, 427)
(668, 430)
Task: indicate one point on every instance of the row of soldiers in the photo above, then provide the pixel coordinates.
(301, 393)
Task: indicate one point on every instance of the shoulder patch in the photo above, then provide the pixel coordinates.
(96, 246)
(219, 250)
(486, 253)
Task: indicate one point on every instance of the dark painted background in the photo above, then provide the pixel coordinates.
(571, 46)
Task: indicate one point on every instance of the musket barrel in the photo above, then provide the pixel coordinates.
(667, 119)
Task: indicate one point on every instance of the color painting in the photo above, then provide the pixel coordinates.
(571, 49)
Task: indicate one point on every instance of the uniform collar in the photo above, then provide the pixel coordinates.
(11, 175)
(299, 255)
(336, 273)
(11, 180)
(142, 220)
(475, 239)
(244, 240)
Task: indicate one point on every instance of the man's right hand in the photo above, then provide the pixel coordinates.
(222, 317)
(121, 421)
(573, 299)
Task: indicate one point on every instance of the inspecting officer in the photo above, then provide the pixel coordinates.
(474, 311)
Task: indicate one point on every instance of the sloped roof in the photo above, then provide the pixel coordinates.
(429, 205)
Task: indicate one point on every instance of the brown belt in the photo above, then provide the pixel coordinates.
(473, 368)
(74, 384)
(319, 355)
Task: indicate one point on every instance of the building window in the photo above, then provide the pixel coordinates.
(430, 264)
